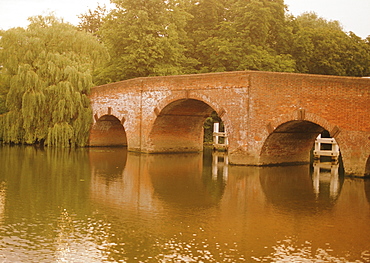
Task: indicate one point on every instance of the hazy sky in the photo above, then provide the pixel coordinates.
(354, 15)
(14, 13)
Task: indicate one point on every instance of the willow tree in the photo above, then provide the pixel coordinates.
(49, 68)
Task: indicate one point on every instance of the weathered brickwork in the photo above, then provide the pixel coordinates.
(270, 118)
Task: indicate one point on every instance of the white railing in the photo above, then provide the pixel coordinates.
(319, 151)
(217, 135)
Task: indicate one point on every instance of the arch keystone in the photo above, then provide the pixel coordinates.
(301, 114)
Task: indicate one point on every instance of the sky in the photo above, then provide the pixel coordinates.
(352, 14)
(14, 13)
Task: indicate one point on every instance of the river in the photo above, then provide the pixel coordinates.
(110, 205)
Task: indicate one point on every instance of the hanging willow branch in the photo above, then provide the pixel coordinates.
(49, 67)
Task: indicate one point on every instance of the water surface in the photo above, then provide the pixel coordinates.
(108, 205)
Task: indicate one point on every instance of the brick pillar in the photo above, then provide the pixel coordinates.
(355, 150)
(240, 156)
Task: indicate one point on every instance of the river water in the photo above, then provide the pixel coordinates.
(108, 205)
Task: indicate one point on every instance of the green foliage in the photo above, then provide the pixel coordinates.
(93, 20)
(156, 37)
(321, 47)
(144, 39)
(208, 126)
(4, 88)
(48, 67)
(247, 40)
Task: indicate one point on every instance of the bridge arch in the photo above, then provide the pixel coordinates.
(300, 115)
(290, 142)
(190, 95)
(178, 126)
(291, 137)
(107, 131)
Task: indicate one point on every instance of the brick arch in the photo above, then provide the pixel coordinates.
(290, 137)
(346, 140)
(189, 95)
(107, 131)
(178, 126)
(302, 114)
(100, 112)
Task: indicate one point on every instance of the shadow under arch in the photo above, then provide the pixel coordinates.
(290, 143)
(179, 127)
(107, 131)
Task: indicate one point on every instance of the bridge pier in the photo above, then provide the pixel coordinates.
(355, 167)
(355, 151)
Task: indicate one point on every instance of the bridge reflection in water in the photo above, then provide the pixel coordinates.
(195, 204)
(108, 205)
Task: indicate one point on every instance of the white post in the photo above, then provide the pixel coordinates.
(335, 150)
(316, 178)
(226, 167)
(216, 127)
(334, 181)
(214, 166)
(317, 147)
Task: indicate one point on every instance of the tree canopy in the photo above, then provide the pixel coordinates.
(156, 37)
(47, 69)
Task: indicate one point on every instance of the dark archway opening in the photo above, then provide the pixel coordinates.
(290, 143)
(294, 143)
(179, 127)
(209, 128)
(108, 131)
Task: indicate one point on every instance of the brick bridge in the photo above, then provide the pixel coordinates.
(270, 118)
